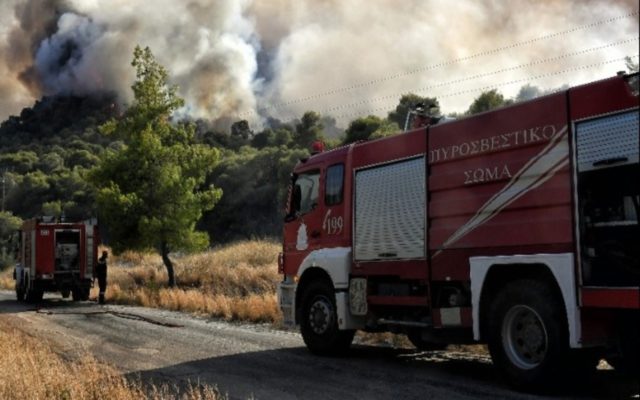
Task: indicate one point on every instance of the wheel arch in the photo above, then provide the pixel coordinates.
(312, 274)
(489, 274)
(332, 264)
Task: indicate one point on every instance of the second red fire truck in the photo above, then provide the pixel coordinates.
(56, 256)
(517, 227)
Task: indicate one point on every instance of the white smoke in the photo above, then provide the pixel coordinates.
(244, 59)
(370, 48)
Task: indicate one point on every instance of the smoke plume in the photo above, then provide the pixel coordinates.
(244, 59)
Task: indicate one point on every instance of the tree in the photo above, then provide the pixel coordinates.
(408, 102)
(488, 101)
(8, 225)
(308, 130)
(366, 128)
(528, 92)
(255, 184)
(151, 191)
(242, 130)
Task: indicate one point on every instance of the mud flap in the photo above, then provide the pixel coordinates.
(346, 320)
(287, 302)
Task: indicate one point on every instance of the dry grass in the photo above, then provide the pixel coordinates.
(6, 280)
(32, 370)
(389, 339)
(234, 282)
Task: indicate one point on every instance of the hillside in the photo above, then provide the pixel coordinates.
(45, 152)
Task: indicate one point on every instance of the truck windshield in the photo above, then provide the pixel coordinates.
(305, 192)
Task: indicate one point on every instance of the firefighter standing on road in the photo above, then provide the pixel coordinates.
(101, 274)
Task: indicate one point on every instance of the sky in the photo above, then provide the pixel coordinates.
(244, 59)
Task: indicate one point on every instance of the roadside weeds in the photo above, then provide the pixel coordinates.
(33, 370)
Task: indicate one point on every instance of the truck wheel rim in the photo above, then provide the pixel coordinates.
(524, 337)
(320, 315)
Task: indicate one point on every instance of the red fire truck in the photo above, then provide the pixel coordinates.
(517, 227)
(56, 256)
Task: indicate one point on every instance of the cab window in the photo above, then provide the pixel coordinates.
(334, 185)
(305, 192)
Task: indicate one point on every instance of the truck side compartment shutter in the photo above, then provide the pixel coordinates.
(612, 139)
(390, 204)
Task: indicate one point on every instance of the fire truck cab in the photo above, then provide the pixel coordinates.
(517, 227)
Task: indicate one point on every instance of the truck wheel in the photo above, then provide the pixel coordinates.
(65, 293)
(415, 337)
(319, 322)
(528, 335)
(19, 291)
(627, 359)
(80, 294)
(34, 295)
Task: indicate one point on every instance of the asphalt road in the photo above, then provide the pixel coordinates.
(256, 361)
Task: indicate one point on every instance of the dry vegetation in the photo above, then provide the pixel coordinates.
(6, 279)
(32, 370)
(235, 282)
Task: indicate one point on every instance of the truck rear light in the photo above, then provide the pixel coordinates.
(281, 263)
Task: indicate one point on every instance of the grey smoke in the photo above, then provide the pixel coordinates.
(249, 59)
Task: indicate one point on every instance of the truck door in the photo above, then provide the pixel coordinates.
(316, 213)
(303, 223)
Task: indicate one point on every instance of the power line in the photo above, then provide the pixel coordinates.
(483, 75)
(450, 62)
(489, 87)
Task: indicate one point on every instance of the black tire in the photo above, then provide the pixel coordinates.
(65, 293)
(34, 295)
(627, 357)
(528, 335)
(319, 322)
(80, 294)
(20, 290)
(415, 337)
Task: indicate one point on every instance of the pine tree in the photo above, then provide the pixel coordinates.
(151, 191)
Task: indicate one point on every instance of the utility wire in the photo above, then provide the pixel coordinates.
(483, 75)
(450, 62)
(489, 87)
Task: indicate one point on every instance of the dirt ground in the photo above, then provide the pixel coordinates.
(257, 361)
